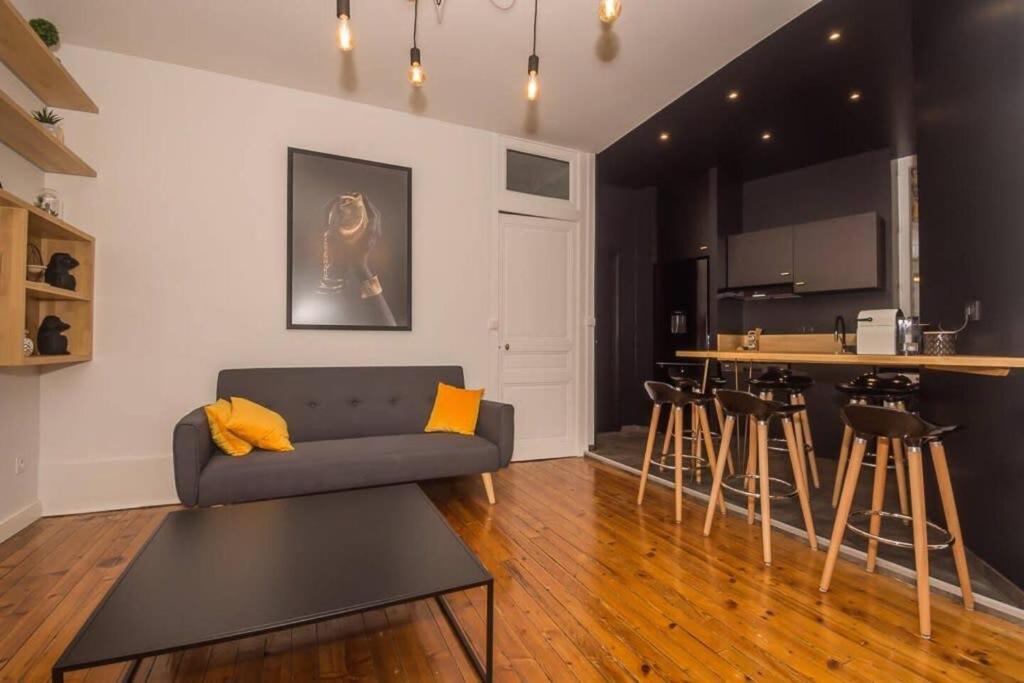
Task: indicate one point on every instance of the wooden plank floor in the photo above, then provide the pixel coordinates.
(588, 587)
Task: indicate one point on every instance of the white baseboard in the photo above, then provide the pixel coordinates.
(75, 486)
(20, 519)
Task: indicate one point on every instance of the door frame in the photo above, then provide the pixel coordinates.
(578, 208)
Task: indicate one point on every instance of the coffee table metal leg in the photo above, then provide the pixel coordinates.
(484, 669)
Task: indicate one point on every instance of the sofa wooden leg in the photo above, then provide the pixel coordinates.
(488, 486)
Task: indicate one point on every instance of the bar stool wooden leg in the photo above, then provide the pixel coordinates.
(705, 429)
(952, 521)
(716, 482)
(801, 448)
(843, 511)
(696, 446)
(766, 502)
(652, 434)
(801, 484)
(844, 453)
(901, 475)
(678, 411)
(917, 507)
(668, 435)
(751, 466)
(805, 422)
(877, 499)
(720, 413)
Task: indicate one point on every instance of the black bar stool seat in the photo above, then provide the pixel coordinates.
(875, 387)
(892, 425)
(759, 412)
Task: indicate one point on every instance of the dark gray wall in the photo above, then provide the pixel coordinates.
(624, 298)
(969, 63)
(842, 187)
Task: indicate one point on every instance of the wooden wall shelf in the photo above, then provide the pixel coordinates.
(56, 360)
(24, 303)
(29, 58)
(24, 135)
(45, 292)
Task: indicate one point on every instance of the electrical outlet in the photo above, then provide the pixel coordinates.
(973, 311)
(19, 465)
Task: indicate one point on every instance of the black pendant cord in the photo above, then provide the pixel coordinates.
(534, 27)
(415, 21)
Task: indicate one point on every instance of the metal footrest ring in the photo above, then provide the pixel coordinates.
(779, 444)
(871, 460)
(946, 537)
(668, 462)
(743, 478)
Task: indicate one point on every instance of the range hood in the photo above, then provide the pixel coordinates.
(769, 293)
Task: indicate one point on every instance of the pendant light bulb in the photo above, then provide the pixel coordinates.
(609, 10)
(533, 80)
(416, 73)
(345, 39)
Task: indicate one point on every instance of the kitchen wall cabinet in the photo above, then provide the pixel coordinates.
(763, 257)
(839, 254)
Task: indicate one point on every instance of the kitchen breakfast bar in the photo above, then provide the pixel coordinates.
(885, 428)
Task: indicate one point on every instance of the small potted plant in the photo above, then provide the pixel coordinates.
(50, 121)
(46, 31)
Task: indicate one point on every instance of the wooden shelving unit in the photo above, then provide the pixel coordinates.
(29, 58)
(24, 303)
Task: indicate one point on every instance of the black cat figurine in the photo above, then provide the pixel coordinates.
(58, 271)
(50, 341)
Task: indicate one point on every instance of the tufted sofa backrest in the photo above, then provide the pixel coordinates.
(336, 403)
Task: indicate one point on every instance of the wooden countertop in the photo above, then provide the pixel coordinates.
(998, 366)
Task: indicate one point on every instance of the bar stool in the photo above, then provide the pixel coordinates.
(776, 380)
(687, 384)
(759, 413)
(887, 424)
(663, 394)
(891, 391)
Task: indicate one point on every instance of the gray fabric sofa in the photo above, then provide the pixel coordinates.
(351, 427)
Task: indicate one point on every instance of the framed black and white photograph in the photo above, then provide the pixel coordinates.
(349, 243)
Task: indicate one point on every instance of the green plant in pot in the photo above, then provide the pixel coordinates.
(46, 31)
(50, 120)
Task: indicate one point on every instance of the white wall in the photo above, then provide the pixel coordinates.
(189, 216)
(19, 389)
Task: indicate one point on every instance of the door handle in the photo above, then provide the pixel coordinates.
(506, 347)
(799, 284)
(785, 273)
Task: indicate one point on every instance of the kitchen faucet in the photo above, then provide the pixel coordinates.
(839, 334)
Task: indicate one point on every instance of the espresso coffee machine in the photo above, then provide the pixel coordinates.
(878, 331)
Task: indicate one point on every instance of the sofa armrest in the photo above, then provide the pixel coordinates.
(496, 423)
(193, 447)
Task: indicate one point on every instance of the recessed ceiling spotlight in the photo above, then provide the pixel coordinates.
(834, 36)
(665, 136)
(855, 96)
(733, 95)
(766, 136)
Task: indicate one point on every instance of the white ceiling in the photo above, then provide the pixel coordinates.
(596, 85)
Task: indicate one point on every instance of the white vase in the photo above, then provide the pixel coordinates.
(55, 130)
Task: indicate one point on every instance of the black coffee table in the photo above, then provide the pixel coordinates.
(216, 574)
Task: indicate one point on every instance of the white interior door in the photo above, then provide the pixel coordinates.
(537, 332)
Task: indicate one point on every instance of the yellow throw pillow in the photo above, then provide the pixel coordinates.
(455, 410)
(260, 426)
(218, 415)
